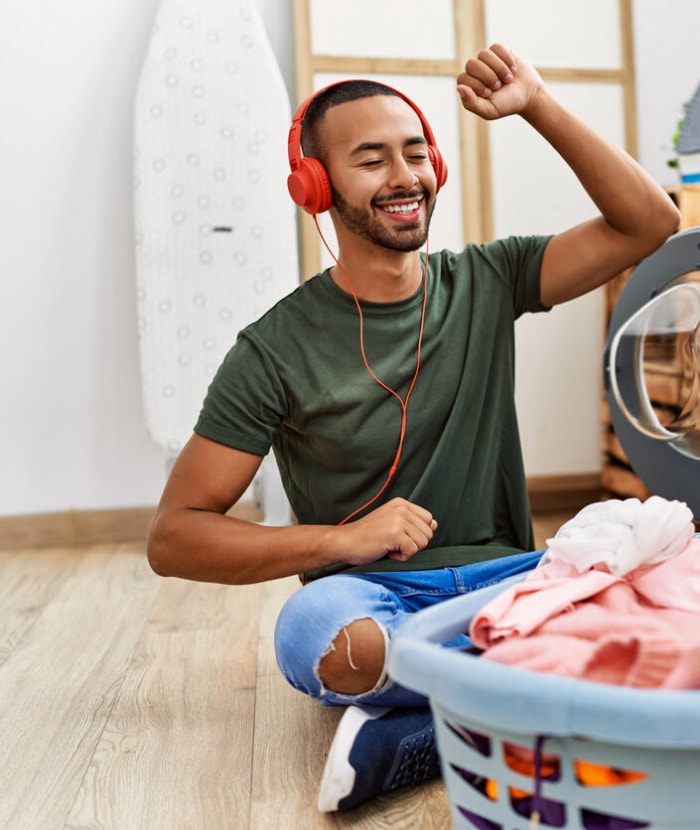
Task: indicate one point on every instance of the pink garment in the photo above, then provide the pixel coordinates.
(640, 630)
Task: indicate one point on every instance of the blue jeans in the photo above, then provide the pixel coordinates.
(313, 617)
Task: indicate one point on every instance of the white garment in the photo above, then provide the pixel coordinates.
(623, 534)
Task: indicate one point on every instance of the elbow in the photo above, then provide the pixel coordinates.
(661, 225)
(666, 220)
(159, 550)
(672, 220)
(654, 218)
(158, 562)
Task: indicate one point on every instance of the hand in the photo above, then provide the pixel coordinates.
(497, 83)
(399, 529)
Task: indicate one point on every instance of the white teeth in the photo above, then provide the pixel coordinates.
(409, 208)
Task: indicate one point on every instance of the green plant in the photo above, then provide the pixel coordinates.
(673, 162)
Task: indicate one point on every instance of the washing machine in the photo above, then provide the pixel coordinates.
(651, 369)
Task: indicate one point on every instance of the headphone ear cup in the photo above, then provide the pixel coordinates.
(439, 165)
(310, 187)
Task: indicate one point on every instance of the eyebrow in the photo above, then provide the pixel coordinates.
(367, 146)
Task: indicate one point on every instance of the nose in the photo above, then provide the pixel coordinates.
(402, 175)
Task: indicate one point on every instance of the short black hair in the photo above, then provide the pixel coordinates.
(340, 93)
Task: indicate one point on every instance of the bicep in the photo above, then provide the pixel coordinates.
(208, 476)
(581, 259)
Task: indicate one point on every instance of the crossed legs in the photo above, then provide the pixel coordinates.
(332, 641)
(332, 636)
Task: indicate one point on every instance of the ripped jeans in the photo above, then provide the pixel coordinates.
(314, 615)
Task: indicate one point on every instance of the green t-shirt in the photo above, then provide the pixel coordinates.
(295, 381)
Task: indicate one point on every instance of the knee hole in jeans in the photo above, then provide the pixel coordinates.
(354, 662)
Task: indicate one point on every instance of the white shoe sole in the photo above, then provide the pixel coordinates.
(338, 777)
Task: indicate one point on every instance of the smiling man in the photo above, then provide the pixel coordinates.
(385, 387)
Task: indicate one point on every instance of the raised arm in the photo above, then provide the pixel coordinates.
(636, 215)
(192, 537)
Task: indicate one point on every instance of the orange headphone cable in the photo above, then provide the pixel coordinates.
(402, 401)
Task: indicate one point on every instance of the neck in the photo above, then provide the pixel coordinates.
(379, 275)
(377, 284)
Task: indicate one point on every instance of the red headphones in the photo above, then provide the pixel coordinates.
(308, 183)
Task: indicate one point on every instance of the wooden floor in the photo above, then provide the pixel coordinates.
(130, 702)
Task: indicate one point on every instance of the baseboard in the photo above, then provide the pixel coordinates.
(74, 527)
(568, 492)
(93, 527)
(88, 527)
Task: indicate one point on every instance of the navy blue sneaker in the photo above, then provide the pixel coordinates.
(376, 750)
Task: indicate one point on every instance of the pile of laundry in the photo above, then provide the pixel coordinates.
(615, 599)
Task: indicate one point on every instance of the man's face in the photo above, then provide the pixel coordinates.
(383, 182)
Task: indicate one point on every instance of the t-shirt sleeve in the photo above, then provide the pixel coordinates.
(528, 295)
(245, 402)
(517, 260)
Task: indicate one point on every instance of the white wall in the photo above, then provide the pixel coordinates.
(71, 429)
(668, 73)
(71, 433)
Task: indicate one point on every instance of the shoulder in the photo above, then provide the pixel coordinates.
(505, 267)
(296, 308)
(496, 253)
(505, 260)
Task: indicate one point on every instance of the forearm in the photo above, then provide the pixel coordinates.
(629, 200)
(635, 215)
(210, 547)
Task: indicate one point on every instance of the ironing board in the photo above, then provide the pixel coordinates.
(216, 236)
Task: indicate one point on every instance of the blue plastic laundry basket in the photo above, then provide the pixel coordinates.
(513, 742)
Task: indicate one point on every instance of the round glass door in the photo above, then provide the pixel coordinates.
(654, 366)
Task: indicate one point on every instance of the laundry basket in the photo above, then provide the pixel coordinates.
(514, 743)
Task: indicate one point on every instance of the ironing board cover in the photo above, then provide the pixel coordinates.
(216, 240)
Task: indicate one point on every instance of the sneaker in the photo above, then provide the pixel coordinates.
(376, 750)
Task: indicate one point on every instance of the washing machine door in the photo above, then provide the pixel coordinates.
(652, 369)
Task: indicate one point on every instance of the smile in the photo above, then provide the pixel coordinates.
(410, 207)
(404, 210)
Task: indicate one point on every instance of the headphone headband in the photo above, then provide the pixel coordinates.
(308, 182)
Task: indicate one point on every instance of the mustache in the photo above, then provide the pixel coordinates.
(415, 193)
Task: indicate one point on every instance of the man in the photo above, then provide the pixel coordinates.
(385, 387)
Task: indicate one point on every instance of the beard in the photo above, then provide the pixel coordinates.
(366, 226)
